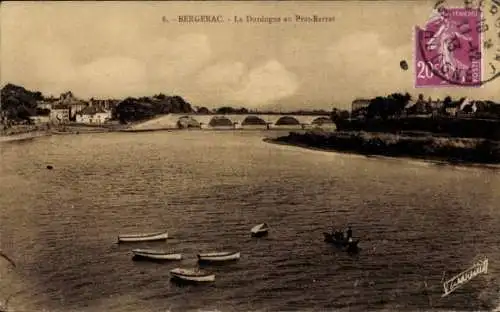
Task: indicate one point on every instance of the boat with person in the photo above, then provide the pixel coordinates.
(144, 237)
(349, 245)
(153, 254)
(260, 230)
(222, 256)
(191, 275)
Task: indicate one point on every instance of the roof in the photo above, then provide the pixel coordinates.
(69, 99)
(92, 110)
(361, 101)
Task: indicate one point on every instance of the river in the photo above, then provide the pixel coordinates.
(208, 188)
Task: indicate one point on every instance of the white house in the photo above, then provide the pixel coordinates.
(59, 114)
(93, 115)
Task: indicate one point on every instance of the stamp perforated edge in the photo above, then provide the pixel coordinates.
(415, 46)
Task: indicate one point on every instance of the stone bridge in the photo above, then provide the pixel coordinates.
(235, 121)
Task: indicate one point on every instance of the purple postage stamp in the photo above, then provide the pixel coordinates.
(448, 49)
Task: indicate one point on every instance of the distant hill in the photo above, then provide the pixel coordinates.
(17, 102)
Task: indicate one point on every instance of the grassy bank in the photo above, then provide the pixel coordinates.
(454, 150)
(449, 126)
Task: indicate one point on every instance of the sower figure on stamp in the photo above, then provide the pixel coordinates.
(446, 40)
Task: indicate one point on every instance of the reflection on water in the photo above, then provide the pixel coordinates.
(208, 189)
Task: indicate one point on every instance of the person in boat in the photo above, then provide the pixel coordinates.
(349, 234)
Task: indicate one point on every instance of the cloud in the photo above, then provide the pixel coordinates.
(108, 76)
(180, 57)
(267, 83)
(306, 65)
(363, 59)
(234, 83)
(152, 65)
(224, 75)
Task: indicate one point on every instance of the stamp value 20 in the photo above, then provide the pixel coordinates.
(448, 50)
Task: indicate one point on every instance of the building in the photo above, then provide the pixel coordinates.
(359, 108)
(59, 114)
(74, 104)
(437, 104)
(46, 103)
(358, 104)
(456, 108)
(93, 115)
(420, 107)
(468, 109)
(107, 105)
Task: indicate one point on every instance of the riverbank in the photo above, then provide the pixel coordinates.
(439, 150)
(24, 136)
(26, 132)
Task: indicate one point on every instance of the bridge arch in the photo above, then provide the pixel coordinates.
(253, 120)
(220, 121)
(287, 120)
(322, 120)
(188, 122)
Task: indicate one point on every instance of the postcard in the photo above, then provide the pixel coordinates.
(250, 155)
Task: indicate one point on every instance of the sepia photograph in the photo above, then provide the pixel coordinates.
(184, 156)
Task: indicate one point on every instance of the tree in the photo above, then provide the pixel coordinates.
(468, 109)
(386, 107)
(203, 110)
(447, 100)
(334, 115)
(231, 110)
(160, 96)
(398, 102)
(446, 103)
(338, 115)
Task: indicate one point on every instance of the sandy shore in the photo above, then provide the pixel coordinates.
(26, 132)
(24, 136)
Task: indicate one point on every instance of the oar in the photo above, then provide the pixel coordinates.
(7, 258)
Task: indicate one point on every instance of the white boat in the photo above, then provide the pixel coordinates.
(218, 256)
(147, 237)
(260, 230)
(192, 275)
(156, 254)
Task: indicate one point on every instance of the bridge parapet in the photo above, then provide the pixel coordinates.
(233, 120)
(266, 118)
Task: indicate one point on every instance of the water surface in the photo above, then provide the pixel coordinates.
(415, 220)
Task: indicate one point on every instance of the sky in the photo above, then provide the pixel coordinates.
(119, 49)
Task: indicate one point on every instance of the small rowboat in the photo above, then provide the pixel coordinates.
(345, 244)
(260, 230)
(147, 237)
(192, 275)
(218, 256)
(155, 254)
